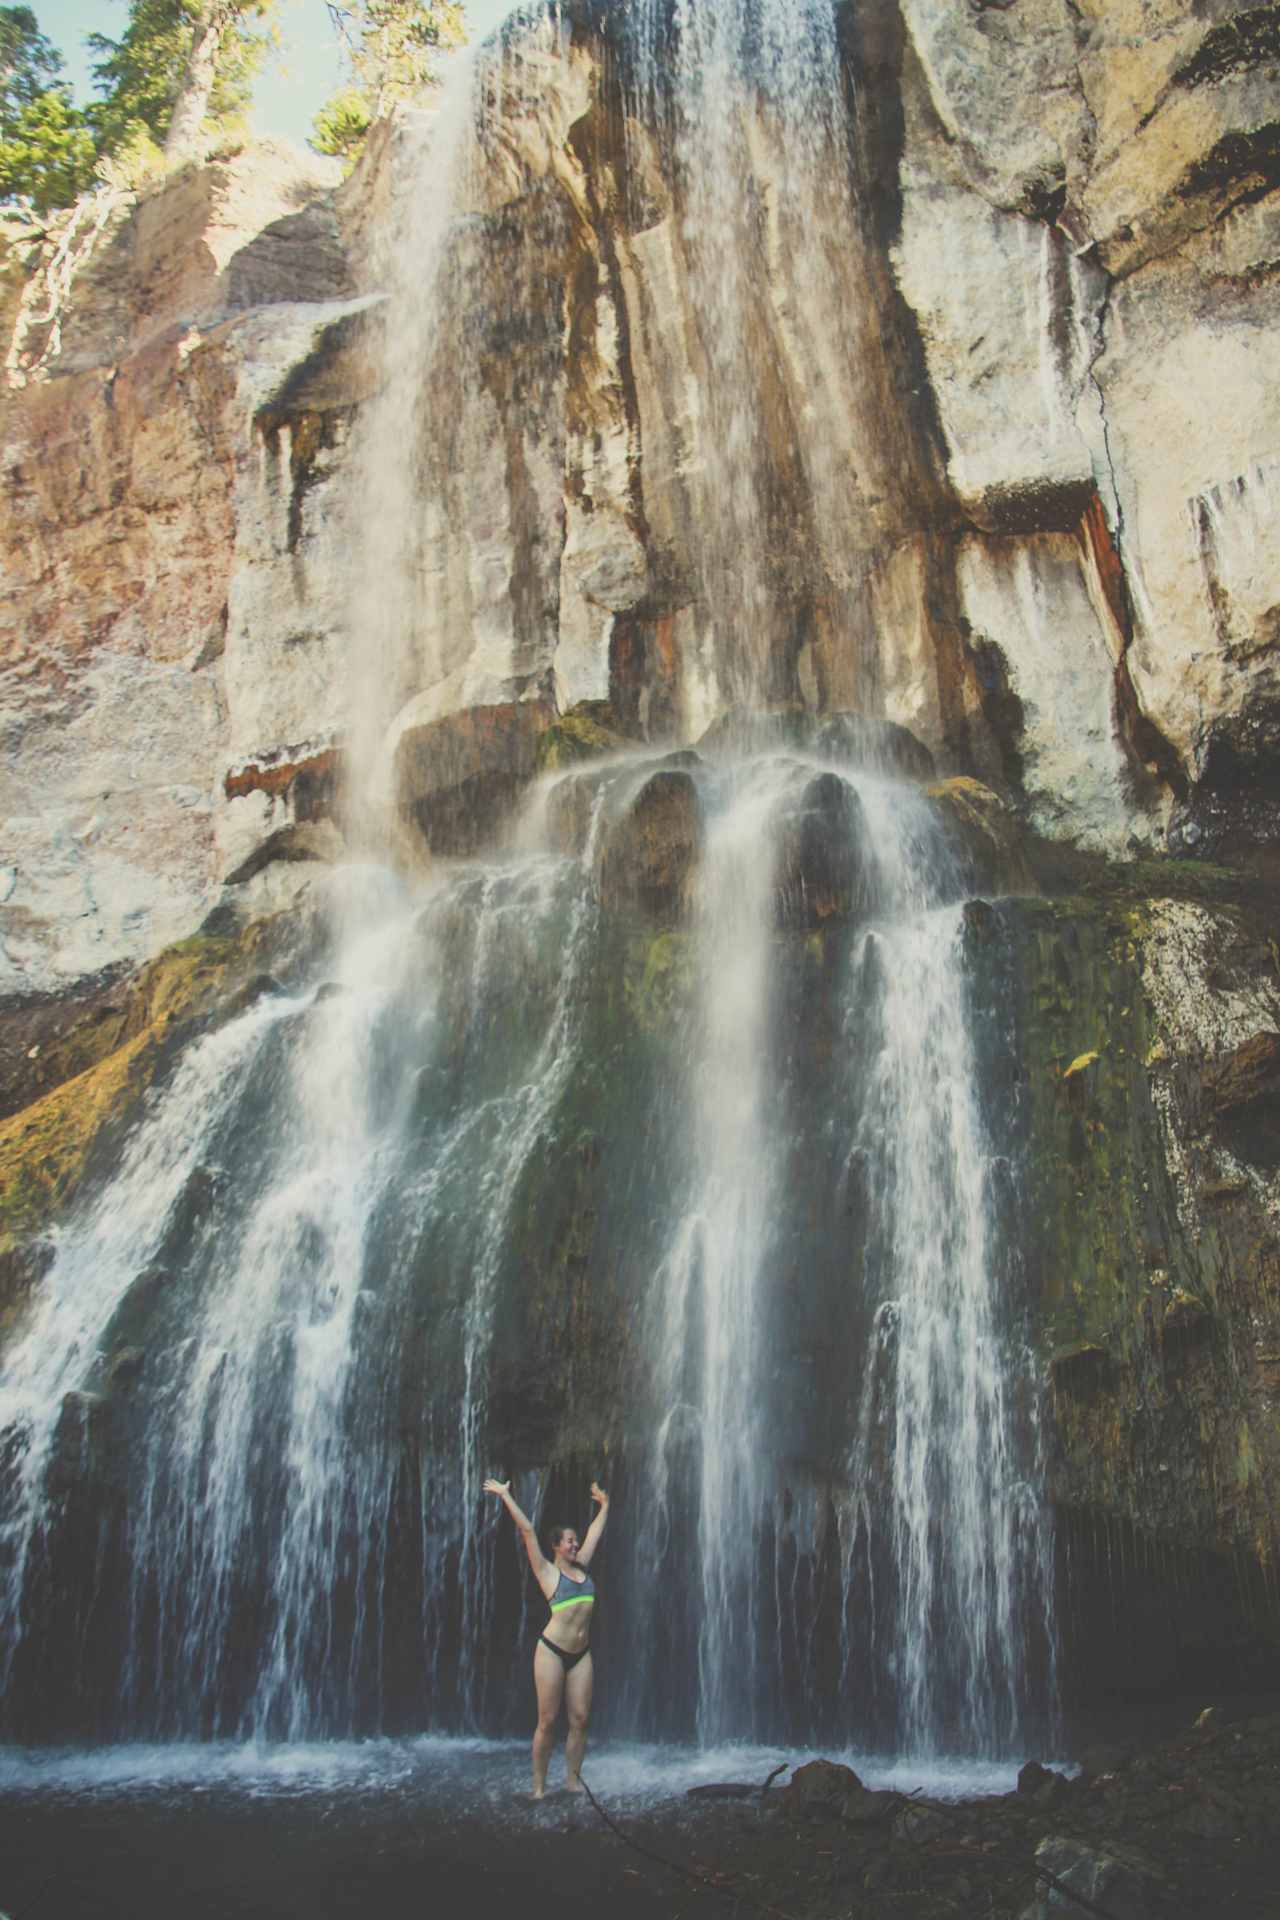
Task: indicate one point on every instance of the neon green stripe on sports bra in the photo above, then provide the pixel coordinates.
(579, 1600)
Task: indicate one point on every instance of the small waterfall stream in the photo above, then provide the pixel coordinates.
(286, 1340)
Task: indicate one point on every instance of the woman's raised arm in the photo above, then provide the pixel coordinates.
(597, 1526)
(542, 1567)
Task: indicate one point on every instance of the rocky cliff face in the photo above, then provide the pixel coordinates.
(1038, 532)
(1012, 446)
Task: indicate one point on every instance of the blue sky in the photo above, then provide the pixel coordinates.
(291, 86)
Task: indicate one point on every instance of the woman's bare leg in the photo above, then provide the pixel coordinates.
(548, 1681)
(578, 1689)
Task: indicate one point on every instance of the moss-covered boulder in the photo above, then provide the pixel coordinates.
(585, 732)
(985, 835)
(100, 1068)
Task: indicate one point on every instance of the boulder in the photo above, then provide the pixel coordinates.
(585, 732)
(650, 854)
(881, 746)
(458, 779)
(741, 731)
(1249, 1072)
(570, 807)
(1116, 1880)
(821, 874)
(863, 740)
(821, 1789)
(984, 835)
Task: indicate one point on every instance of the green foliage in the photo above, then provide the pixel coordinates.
(29, 65)
(46, 150)
(47, 155)
(341, 124)
(141, 75)
(391, 50)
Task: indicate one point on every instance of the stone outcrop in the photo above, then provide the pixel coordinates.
(1132, 210)
(820, 872)
(86, 1068)
(648, 858)
(985, 836)
(132, 672)
(457, 779)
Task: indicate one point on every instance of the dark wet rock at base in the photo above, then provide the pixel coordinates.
(819, 1788)
(1116, 1880)
(1034, 1778)
(1145, 1832)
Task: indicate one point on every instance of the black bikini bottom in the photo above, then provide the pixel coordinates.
(570, 1659)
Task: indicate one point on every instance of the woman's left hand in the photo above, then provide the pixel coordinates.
(599, 1495)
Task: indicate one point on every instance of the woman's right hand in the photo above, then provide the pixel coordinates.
(501, 1487)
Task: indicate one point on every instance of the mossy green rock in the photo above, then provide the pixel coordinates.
(585, 732)
(110, 1059)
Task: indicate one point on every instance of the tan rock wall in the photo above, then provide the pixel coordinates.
(135, 511)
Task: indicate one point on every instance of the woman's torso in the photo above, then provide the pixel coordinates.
(572, 1603)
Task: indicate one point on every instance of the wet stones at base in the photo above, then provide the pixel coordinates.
(820, 1788)
(1142, 1832)
(1122, 1882)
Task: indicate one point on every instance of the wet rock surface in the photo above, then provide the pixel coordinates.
(1178, 1830)
(648, 861)
(820, 873)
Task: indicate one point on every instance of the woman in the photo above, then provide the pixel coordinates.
(562, 1658)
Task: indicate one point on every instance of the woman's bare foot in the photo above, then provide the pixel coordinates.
(574, 1786)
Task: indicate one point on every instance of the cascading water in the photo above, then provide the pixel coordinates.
(708, 1322)
(352, 1250)
(966, 1567)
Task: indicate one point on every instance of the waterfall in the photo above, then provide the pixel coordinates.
(759, 152)
(967, 1548)
(98, 1260)
(708, 1333)
(354, 1248)
(314, 1260)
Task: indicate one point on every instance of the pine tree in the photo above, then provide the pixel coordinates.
(181, 67)
(391, 50)
(46, 148)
